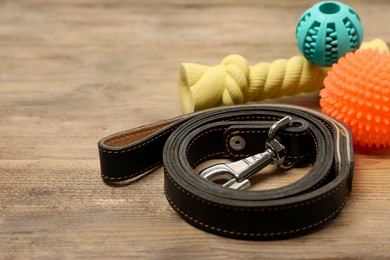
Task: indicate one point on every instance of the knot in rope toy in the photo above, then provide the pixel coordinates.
(357, 92)
(234, 81)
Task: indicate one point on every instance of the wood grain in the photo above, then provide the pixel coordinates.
(72, 72)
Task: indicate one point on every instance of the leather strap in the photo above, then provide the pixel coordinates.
(184, 142)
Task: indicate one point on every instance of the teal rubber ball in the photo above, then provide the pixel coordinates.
(327, 31)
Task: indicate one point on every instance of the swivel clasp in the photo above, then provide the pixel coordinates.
(237, 173)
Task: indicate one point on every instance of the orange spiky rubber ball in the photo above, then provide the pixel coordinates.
(357, 92)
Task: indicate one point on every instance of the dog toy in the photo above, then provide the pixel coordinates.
(327, 31)
(357, 92)
(234, 81)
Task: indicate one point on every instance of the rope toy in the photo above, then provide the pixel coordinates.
(357, 92)
(327, 31)
(234, 81)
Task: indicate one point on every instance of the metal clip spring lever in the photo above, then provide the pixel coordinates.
(240, 171)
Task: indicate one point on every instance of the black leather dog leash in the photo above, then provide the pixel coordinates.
(252, 136)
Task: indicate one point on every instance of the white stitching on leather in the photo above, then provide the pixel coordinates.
(272, 234)
(296, 205)
(150, 167)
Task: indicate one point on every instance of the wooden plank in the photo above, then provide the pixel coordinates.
(74, 71)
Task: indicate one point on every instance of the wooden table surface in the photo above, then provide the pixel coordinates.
(74, 71)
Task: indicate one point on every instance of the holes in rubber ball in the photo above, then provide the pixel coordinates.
(329, 8)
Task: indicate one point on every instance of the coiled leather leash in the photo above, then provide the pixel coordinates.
(215, 199)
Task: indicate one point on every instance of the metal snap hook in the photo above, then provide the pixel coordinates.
(237, 173)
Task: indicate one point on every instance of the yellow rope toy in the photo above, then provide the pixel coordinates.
(234, 81)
